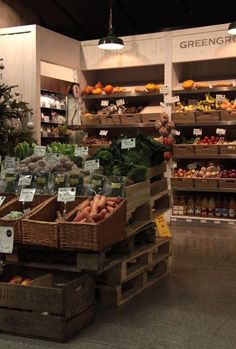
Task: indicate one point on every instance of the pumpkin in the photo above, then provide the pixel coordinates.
(188, 84)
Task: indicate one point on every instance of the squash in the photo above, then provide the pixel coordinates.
(188, 84)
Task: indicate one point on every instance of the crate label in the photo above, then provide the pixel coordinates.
(2, 199)
(192, 166)
(104, 103)
(115, 185)
(103, 132)
(6, 239)
(192, 102)
(27, 195)
(189, 220)
(91, 165)
(175, 132)
(25, 180)
(221, 131)
(66, 194)
(197, 131)
(216, 222)
(220, 98)
(203, 221)
(81, 151)
(120, 102)
(164, 89)
(173, 219)
(162, 226)
(40, 150)
(172, 100)
(128, 143)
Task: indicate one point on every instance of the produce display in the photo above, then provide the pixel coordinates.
(205, 105)
(228, 173)
(208, 140)
(20, 280)
(210, 171)
(13, 215)
(93, 140)
(190, 84)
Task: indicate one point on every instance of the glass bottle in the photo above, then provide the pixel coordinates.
(218, 208)
(225, 208)
(211, 207)
(232, 208)
(204, 207)
(190, 206)
(197, 207)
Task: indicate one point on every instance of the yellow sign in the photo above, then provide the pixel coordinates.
(162, 226)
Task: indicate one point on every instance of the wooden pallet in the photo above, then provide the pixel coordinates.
(117, 295)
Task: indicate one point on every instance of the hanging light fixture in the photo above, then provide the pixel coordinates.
(232, 28)
(110, 42)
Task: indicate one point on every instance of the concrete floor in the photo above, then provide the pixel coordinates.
(194, 309)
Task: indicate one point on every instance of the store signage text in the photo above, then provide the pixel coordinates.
(220, 40)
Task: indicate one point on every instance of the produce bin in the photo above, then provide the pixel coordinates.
(183, 149)
(207, 116)
(110, 119)
(137, 194)
(182, 182)
(228, 115)
(206, 149)
(150, 118)
(206, 182)
(227, 149)
(90, 120)
(157, 170)
(183, 117)
(130, 118)
(227, 183)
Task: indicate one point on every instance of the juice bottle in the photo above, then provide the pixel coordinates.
(211, 207)
(232, 208)
(175, 210)
(182, 206)
(225, 208)
(197, 207)
(190, 206)
(204, 207)
(218, 208)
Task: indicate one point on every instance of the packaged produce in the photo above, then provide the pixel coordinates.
(218, 208)
(115, 186)
(232, 208)
(204, 207)
(198, 207)
(211, 207)
(225, 208)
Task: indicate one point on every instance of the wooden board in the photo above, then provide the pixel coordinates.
(137, 194)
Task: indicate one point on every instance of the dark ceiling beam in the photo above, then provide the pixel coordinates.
(72, 18)
(128, 16)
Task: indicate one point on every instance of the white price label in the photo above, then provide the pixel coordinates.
(128, 143)
(81, 151)
(203, 221)
(173, 219)
(175, 132)
(25, 180)
(231, 223)
(221, 131)
(52, 156)
(2, 199)
(66, 194)
(6, 239)
(164, 89)
(216, 222)
(197, 131)
(10, 162)
(171, 100)
(40, 150)
(174, 165)
(189, 220)
(192, 166)
(104, 102)
(103, 132)
(27, 195)
(220, 98)
(91, 165)
(120, 102)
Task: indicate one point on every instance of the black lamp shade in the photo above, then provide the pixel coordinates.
(111, 42)
(232, 28)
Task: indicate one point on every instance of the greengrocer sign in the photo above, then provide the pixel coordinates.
(219, 40)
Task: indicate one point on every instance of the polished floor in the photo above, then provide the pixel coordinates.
(195, 308)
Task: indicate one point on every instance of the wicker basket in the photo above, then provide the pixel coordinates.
(94, 236)
(41, 227)
(16, 205)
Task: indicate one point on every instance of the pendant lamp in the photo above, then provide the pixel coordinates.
(232, 28)
(110, 42)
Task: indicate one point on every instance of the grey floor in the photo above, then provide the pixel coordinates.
(195, 308)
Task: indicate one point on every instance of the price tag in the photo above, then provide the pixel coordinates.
(66, 194)
(189, 220)
(203, 221)
(52, 156)
(128, 143)
(216, 222)
(221, 131)
(103, 132)
(40, 150)
(25, 180)
(162, 226)
(81, 151)
(171, 100)
(104, 102)
(175, 132)
(91, 165)
(6, 239)
(164, 89)
(197, 131)
(27, 195)
(220, 98)
(120, 102)
(192, 166)
(192, 102)
(2, 198)
(231, 223)
(174, 165)
(10, 162)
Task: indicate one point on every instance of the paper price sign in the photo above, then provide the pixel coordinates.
(91, 165)
(221, 131)
(175, 132)
(120, 102)
(27, 195)
(128, 143)
(81, 151)
(171, 100)
(10, 162)
(164, 89)
(197, 131)
(103, 132)
(220, 98)
(104, 103)
(24, 181)
(66, 194)
(40, 150)
(162, 226)
(174, 165)
(6, 239)
(2, 199)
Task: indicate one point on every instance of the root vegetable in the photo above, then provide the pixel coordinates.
(102, 202)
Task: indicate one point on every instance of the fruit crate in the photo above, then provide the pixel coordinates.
(157, 170)
(54, 307)
(183, 149)
(158, 186)
(227, 183)
(182, 182)
(90, 119)
(207, 116)
(130, 118)
(110, 119)
(206, 149)
(136, 195)
(183, 117)
(150, 118)
(206, 182)
(228, 115)
(227, 149)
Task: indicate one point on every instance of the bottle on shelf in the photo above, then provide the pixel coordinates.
(175, 210)
(182, 206)
(204, 207)
(232, 208)
(225, 208)
(198, 207)
(211, 207)
(218, 207)
(190, 206)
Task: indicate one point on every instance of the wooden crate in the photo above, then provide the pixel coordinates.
(206, 149)
(130, 118)
(110, 119)
(182, 182)
(141, 216)
(206, 182)
(157, 170)
(183, 117)
(183, 149)
(227, 149)
(137, 194)
(227, 183)
(207, 116)
(92, 149)
(90, 120)
(150, 118)
(228, 115)
(158, 186)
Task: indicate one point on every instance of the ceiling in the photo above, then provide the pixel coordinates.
(88, 19)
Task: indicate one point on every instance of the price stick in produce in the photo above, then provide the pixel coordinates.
(104, 103)
(81, 151)
(40, 150)
(162, 227)
(103, 132)
(221, 131)
(128, 143)
(197, 131)
(91, 165)
(6, 239)
(66, 195)
(25, 180)
(164, 89)
(26, 195)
